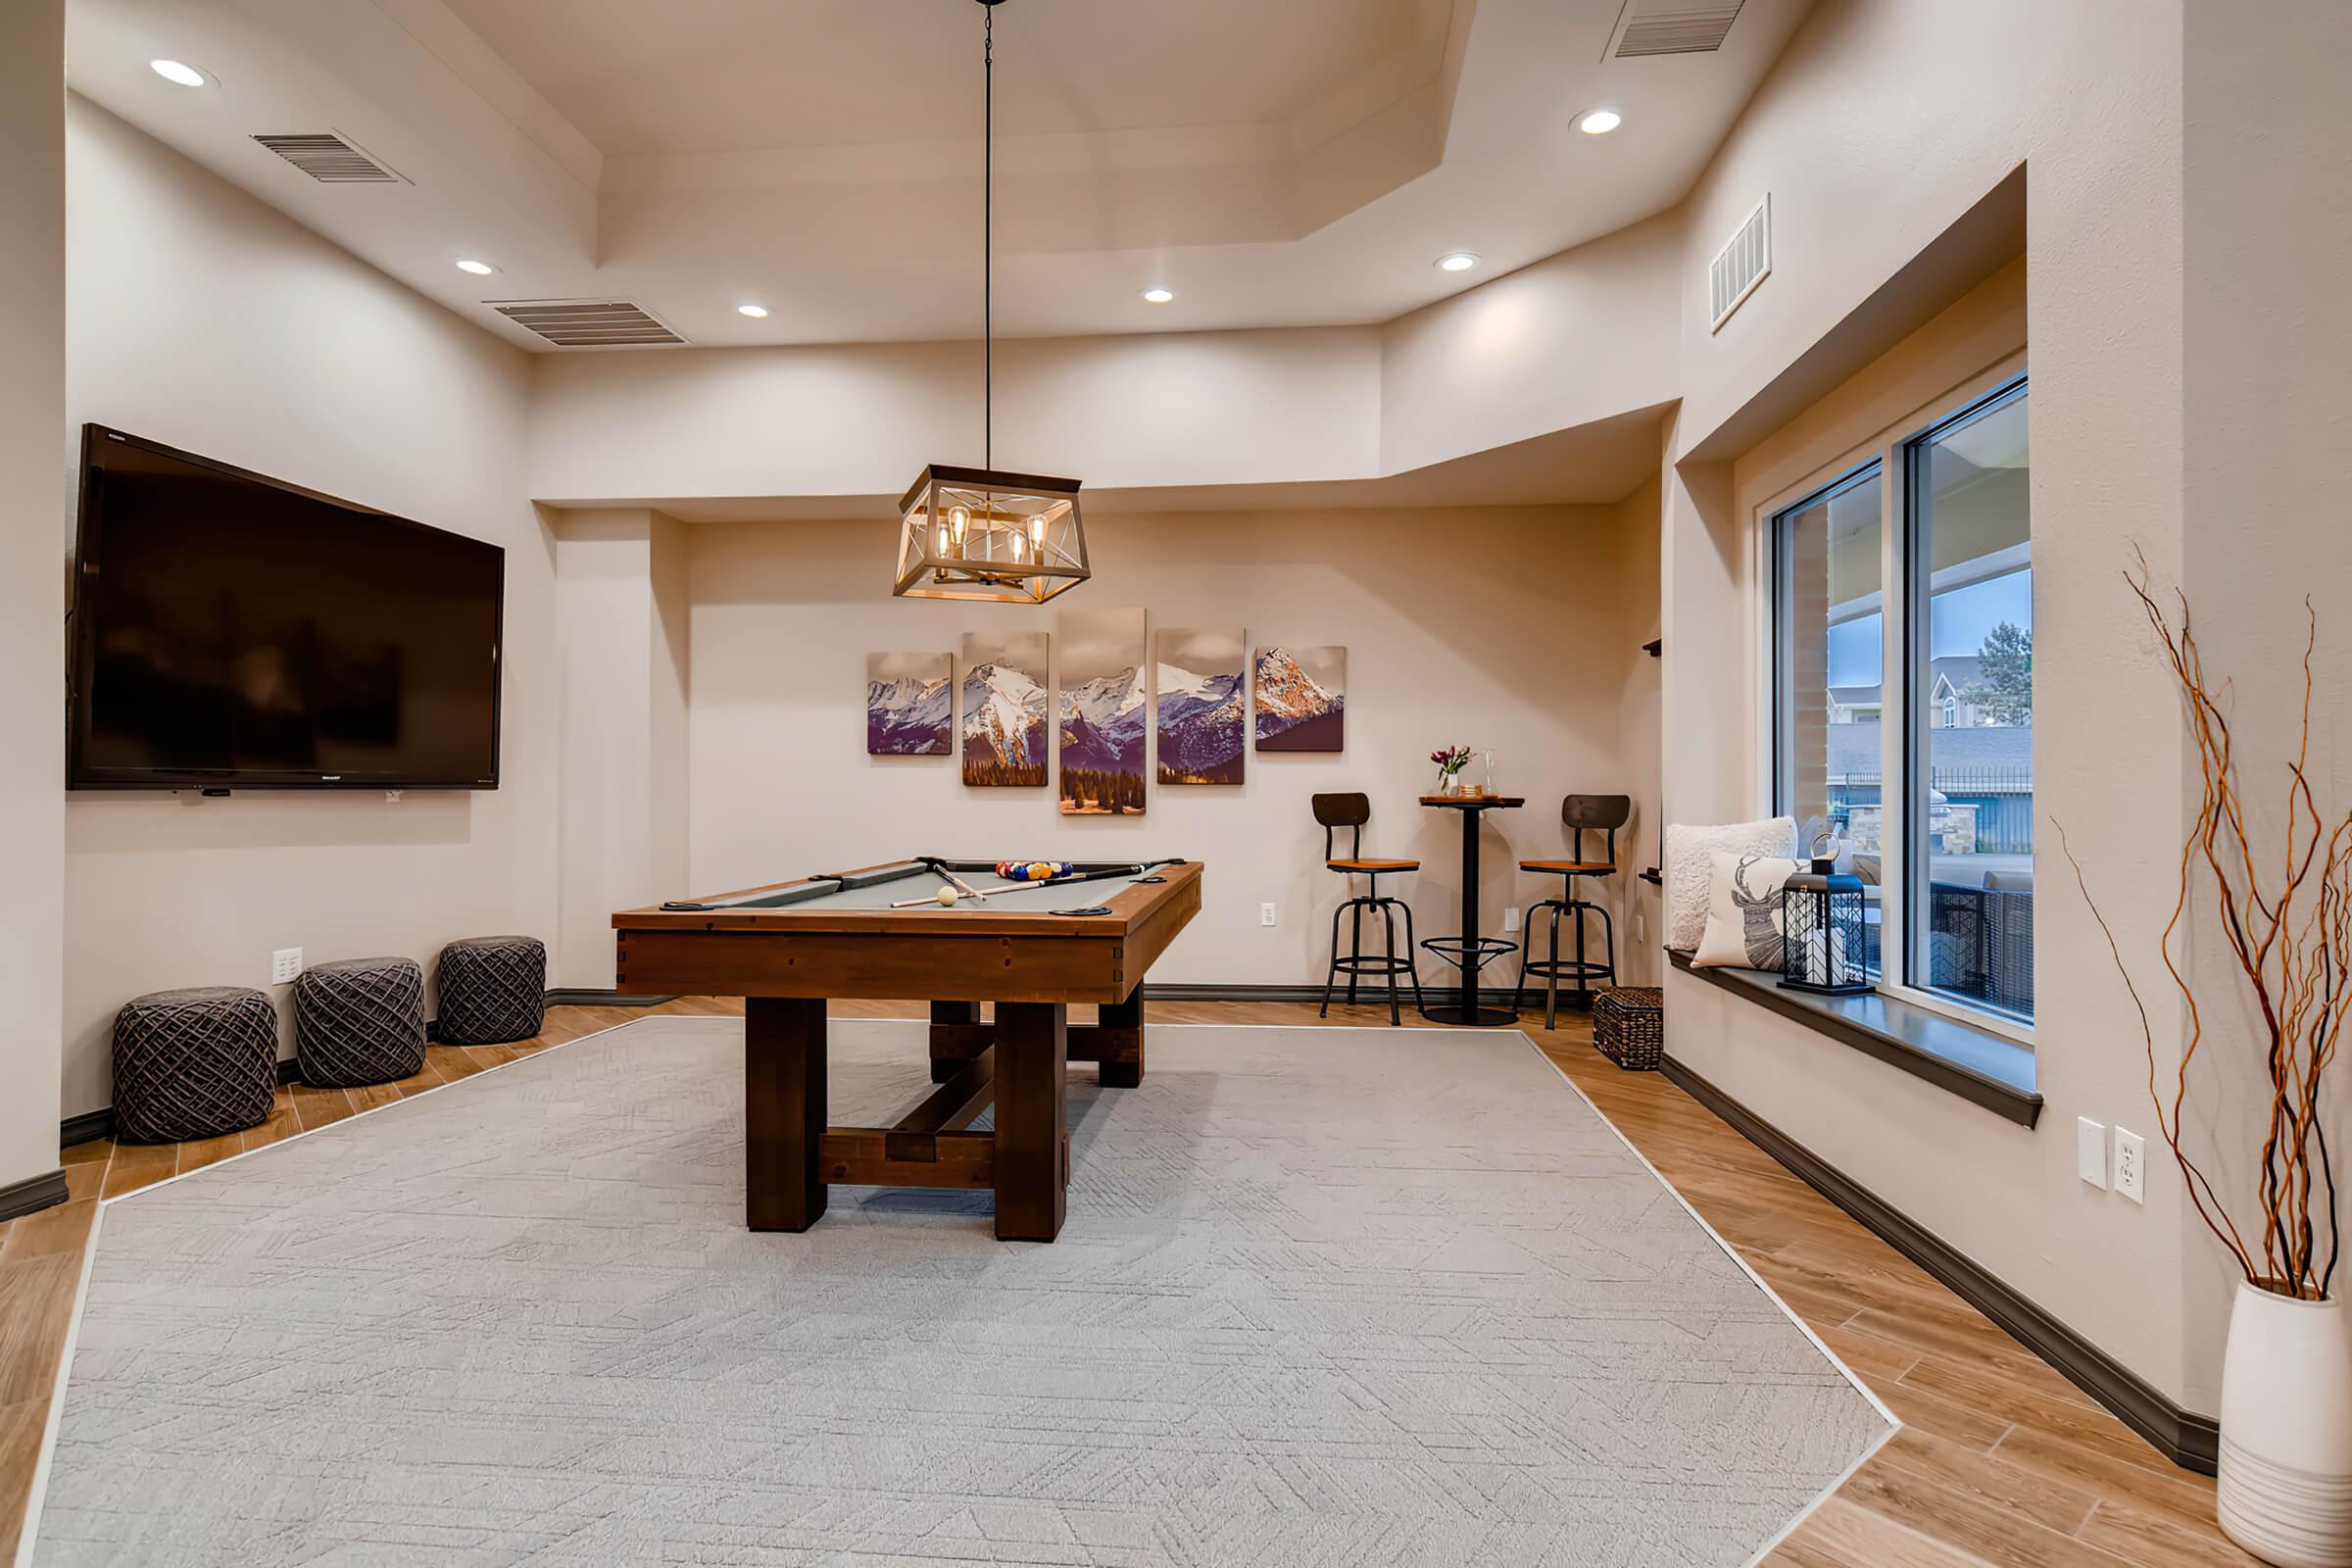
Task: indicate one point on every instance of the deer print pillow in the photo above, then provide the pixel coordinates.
(1743, 912)
(1691, 861)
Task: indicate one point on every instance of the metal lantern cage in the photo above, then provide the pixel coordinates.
(1824, 932)
(976, 533)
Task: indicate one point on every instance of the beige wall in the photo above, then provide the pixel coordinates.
(1461, 627)
(2267, 477)
(623, 804)
(205, 319)
(1887, 112)
(33, 487)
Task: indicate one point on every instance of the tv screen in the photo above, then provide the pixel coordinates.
(235, 631)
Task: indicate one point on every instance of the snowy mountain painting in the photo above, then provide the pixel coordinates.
(907, 696)
(1101, 710)
(1004, 708)
(1301, 698)
(1202, 731)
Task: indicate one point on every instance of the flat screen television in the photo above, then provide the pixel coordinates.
(234, 631)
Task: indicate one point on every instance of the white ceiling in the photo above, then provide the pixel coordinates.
(1300, 163)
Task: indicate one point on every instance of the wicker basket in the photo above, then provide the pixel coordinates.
(1629, 1026)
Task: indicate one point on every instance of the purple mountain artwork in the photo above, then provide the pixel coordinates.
(1201, 707)
(1301, 698)
(1103, 708)
(907, 696)
(1005, 709)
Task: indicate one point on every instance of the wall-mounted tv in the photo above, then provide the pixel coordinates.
(234, 631)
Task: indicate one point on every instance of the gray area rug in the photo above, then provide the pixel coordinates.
(1325, 1297)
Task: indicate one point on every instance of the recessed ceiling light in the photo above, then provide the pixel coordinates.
(1159, 296)
(1457, 262)
(1601, 121)
(758, 313)
(467, 264)
(174, 70)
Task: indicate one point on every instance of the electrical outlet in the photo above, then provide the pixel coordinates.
(1641, 928)
(2090, 1150)
(2131, 1164)
(1510, 919)
(285, 964)
(1265, 914)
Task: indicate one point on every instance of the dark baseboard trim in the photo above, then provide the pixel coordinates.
(588, 997)
(2188, 1439)
(33, 1195)
(99, 1123)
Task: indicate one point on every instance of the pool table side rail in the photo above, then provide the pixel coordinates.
(1124, 906)
(939, 955)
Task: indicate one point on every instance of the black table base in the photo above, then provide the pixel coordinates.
(1471, 954)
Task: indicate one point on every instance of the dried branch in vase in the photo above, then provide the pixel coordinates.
(2287, 918)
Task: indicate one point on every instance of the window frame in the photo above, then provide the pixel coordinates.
(1890, 447)
(1918, 740)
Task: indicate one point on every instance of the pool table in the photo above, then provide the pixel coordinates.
(1029, 949)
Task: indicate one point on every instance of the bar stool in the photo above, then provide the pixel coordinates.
(1352, 811)
(1580, 813)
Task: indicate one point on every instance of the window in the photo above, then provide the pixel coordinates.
(1827, 667)
(1971, 624)
(1903, 695)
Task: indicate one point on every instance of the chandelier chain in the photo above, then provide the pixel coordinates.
(988, 236)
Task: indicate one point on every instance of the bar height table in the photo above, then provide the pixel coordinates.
(1470, 951)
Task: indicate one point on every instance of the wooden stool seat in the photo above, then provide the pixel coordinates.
(1358, 864)
(1569, 867)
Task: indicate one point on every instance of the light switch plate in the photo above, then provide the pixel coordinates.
(1265, 914)
(1510, 919)
(285, 965)
(2090, 1150)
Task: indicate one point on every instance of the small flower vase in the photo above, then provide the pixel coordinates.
(1445, 782)
(2285, 1492)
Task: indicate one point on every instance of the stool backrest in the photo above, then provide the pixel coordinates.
(1350, 811)
(1601, 813)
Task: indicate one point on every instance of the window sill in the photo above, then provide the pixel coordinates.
(1980, 1066)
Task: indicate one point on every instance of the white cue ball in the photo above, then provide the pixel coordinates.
(947, 898)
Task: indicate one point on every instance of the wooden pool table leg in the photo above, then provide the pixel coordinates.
(954, 1028)
(1120, 1036)
(783, 1111)
(1032, 1045)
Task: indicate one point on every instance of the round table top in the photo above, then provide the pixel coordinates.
(1475, 803)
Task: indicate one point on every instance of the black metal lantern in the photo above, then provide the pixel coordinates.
(1824, 935)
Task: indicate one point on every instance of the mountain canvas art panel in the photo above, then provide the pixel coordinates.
(1301, 698)
(1102, 712)
(908, 701)
(1201, 704)
(1004, 708)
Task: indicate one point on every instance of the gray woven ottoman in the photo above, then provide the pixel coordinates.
(194, 1063)
(360, 1021)
(492, 989)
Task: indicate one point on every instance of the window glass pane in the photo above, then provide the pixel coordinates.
(1972, 675)
(1829, 642)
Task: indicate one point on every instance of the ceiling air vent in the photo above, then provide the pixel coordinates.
(330, 159)
(1673, 26)
(588, 323)
(1743, 263)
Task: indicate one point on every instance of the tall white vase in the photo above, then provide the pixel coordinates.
(2286, 1430)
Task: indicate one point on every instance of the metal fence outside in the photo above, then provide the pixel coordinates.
(2003, 798)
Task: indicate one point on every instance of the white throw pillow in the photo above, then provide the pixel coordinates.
(1690, 860)
(1743, 912)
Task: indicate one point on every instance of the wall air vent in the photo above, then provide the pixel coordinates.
(331, 159)
(588, 323)
(1742, 263)
(1673, 27)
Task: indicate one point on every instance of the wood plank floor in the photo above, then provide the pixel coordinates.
(2000, 1460)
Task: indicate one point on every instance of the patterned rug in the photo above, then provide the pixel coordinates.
(1325, 1296)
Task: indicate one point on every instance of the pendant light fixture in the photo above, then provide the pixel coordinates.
(982, 533)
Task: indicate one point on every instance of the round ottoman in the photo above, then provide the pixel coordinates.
(360, 1021)
(194, 1063)
(492, 989)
